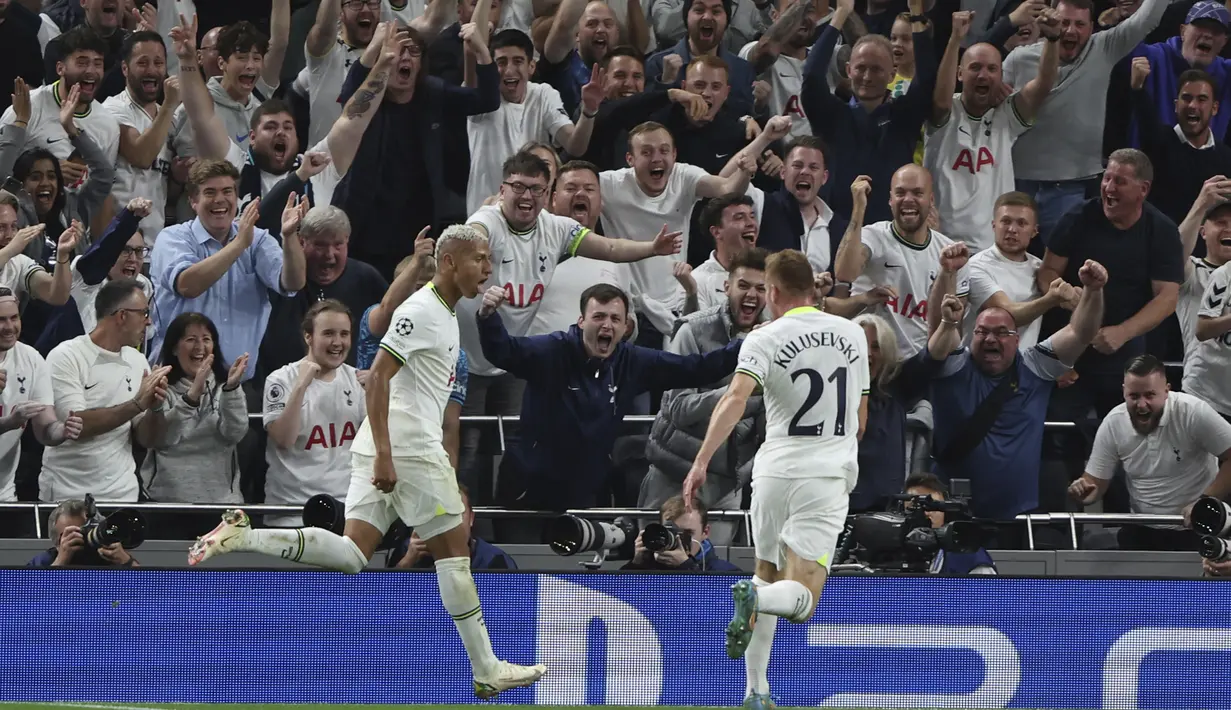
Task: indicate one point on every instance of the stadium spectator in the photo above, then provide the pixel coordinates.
(57, 190)
(1137, 243)
(989, 401)
(1003, 276)
(784, 47)
(21, 274)
(708, 23)
(103, 379)
(947, 563)
(1059, 161)
(340, 33)
(795, 216)
(21, 55)
(582, 33)
(403, 152)
(145, 158)
(412, 552)
(1184, 154)
(222, 268)
(331, 274)
(446, 55)
(579, 386)
(313, 408)
(1205, 368)
(694, 551)
(102, 22)
(731, 222)
(117, 254)
(191, 436)
(875, 134)
(903, 255)
(886, 450)
(677, 433)
(1206, 227)
(69, 546)
(27, 398)
(1172, 447)
(970, 135)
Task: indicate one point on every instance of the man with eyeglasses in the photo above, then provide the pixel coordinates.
(989, 401)
(104, 380)
(119, 254)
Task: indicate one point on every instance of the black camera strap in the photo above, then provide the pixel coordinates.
(974, 430)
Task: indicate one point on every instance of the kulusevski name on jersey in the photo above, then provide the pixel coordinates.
(815, 339)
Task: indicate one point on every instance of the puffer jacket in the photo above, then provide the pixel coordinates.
(680, 427)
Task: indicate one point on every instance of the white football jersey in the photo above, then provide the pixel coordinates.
(629, 213)
(560, 308)
(85, 376)
(44, 129)
(522, 262)
(324, 76)
(971, 161)
(16, 273)
(786, 81)
(410, 10)
(813, 368)
(27, 381)
(84, 294)
(319, 460)
(423, 337)
(990, 272)
(497, 135)
(1191, 293)
(140, 181)
(910, 269)
(1207, 363)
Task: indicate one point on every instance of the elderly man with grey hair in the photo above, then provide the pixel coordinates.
(68, 544)
(325, 231)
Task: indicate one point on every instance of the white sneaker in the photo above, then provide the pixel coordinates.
(235, 523)
(507, 676)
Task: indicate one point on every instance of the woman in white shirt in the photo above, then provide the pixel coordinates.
(191, 436)
(312, 409)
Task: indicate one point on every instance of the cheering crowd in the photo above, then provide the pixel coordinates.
(199, 222)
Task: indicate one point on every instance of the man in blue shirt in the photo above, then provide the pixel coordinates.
(225, 268)
(1002, 464)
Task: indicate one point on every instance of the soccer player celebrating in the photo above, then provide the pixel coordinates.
(813, 369)
(400, 443)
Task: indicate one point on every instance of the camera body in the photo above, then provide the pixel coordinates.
(125, 526)
(666, 537)
(1211, 519)
(904, 540)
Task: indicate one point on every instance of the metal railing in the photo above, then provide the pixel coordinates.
(741, 516)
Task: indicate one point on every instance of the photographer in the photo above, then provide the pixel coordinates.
(692, 550)
(948, 563)
(65, 524)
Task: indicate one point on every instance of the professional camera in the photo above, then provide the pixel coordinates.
(1212, 521)
(904, 540)
(570, 535)
(328, 513)
(665, 537)
(125, 526)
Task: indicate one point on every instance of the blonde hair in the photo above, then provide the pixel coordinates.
(887, 341)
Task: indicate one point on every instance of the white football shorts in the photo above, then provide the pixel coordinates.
(804, 514)
(426, 496)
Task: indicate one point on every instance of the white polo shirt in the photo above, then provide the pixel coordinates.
(27, 381)
(85, 377)
(1171, 466)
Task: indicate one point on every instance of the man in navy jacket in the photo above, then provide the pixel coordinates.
(579, 386)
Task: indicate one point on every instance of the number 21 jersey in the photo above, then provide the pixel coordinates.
(813, 368)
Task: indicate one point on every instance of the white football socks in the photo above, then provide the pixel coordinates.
(461, 600)
(756, 657)
(786, 598)
(311, 546)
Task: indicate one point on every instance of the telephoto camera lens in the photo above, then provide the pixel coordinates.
(125, 526)
(325, 511)
(1211, 516)
(571, 535)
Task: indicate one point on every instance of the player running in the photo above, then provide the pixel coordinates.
(813, 369)
(408, 388)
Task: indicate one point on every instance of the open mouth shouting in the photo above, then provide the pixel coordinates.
(749, 236)
(1192, 120)
(749, 309)
(510, 85)
(910, 216)
(280, 147)
(44, 197)
(707, 31)
(579, 209)
(803, 189)
(336, 352)
(982, 89)
(523, 208)
(604, 341)
(87, 86)
(247, 80)
(658, 174)
(1204, 46)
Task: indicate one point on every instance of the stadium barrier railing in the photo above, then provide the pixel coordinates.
(39, 510)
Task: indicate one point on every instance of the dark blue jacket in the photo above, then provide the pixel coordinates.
(574, 404)
(741, 75)
(961, 563)
(399, 135)
(65, 321)
(782, 224)
(875, 144)
(707, 560)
